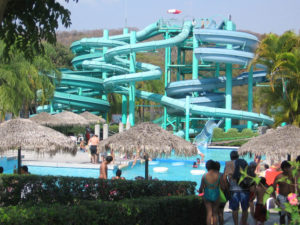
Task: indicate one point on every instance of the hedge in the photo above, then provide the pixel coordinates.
(19, 189)
(232, 134)
(144, 211)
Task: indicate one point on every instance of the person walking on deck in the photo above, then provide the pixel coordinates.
(94, 142)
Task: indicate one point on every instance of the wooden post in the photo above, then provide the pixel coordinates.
(19, 160)
(146, 167)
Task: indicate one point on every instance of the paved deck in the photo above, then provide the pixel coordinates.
(80, 160)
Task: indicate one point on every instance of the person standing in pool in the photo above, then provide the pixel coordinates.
(118, 175)
(103, 167)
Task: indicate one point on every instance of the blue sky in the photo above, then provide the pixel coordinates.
(262, 16)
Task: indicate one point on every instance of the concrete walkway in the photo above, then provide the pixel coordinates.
(273, 217)
(80, 160)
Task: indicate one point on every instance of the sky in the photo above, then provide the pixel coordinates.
(261, 16)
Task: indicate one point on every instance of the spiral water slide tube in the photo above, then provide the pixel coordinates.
(117, 66)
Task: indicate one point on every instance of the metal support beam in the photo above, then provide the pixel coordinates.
(228, 99)
(178, 63)
(195, 60)
(167, 36)
(124, 97)
(228, 71)
(132, 84)
(250, 95)
(104, 74)
(187, 117)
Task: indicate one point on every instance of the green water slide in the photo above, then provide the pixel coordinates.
(109, 55)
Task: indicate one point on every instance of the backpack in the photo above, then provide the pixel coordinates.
(241, 164)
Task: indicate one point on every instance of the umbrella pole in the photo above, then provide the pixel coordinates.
(19, 160)
(146, 167)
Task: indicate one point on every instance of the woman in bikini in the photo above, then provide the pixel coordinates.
(210, 185)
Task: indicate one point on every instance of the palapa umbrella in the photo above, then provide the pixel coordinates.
(277, 142)
(92, 118)
(25, 134)
(69, 119)
(46, 119)
(152, 140)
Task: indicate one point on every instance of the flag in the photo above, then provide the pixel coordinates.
(173, 11)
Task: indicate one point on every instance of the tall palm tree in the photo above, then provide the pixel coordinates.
(20, 80)
(281, 56)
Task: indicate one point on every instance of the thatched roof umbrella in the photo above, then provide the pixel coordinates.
(151, 139)
(25, 134)
(277, 142)
(93, 119)
(69, 119)
(46, 119)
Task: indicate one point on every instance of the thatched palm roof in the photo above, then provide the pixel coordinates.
(151, 139)
(92, 118)
(29, 135)
(46, 119)
(281, 141)
(71, 119)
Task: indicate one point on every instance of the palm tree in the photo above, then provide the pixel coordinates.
(281, 56)
(20, 80)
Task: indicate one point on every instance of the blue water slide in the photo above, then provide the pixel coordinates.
(201, 111)
(203, 139)
(180, 88)
(237, 39)
(207, 104)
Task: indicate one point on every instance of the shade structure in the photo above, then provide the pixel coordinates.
(46, 119)
(152, 140)
(26, 134)
(69, 119)
(93, 119)
(277, 142)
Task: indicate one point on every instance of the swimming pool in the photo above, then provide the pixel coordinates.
(179, 168)
(8, 164)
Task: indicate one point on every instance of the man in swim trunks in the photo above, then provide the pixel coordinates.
(284, 188)
(93, 143)
(239, 196)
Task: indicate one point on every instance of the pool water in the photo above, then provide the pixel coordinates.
(179, 168)
(8, 164)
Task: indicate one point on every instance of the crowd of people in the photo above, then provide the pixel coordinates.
(218, 188)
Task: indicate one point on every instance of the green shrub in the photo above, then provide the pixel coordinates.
(173, 210)
(20, 189)
(231, 134)
(218, 133)
(114, 128)
(248, 133)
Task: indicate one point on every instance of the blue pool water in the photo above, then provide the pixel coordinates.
(179, 168)
(8, 164)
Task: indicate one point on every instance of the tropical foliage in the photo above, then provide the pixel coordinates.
(25, 84)
(24, 24)
(281, 56)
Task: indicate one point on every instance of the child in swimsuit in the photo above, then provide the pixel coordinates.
(260, 214)
(210, 185)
